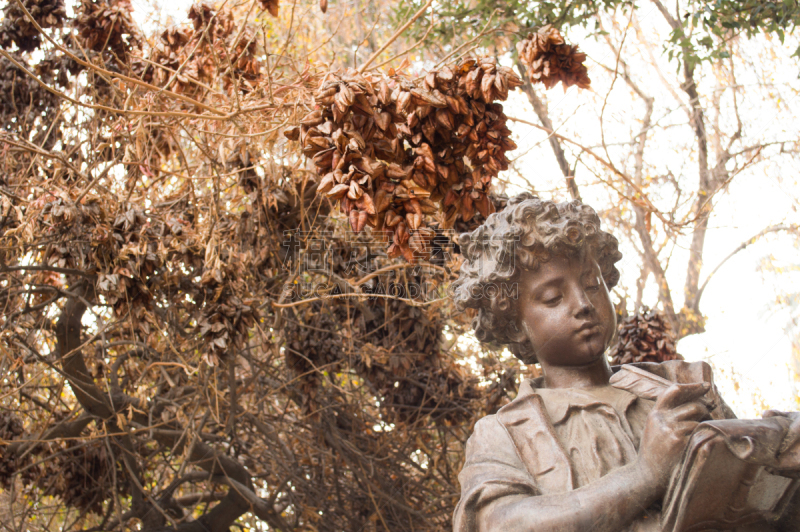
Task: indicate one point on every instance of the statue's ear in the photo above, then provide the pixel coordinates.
(520, 344)
(516, 333)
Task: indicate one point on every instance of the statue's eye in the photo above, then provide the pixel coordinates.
(551, 299)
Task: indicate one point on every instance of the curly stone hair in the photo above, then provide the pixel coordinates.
(527, 233)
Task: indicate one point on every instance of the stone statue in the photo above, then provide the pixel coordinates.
(589, 447)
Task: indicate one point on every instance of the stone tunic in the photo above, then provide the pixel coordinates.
(599, 428)
(550, 441)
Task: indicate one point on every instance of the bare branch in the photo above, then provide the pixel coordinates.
(791, 228)
(394, 37)
(540, 109)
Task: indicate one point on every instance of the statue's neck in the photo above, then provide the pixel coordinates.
(590, 376)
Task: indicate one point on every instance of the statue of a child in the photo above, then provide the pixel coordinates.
(581, 448)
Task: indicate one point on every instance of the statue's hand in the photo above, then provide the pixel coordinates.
(668, 429)
(789, 451)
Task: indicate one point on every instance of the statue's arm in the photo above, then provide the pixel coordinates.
(608, 504)
(499, 494)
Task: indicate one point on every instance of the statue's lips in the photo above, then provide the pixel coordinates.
(589, 329)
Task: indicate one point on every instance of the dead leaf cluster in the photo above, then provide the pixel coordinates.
(549, 59)
(394, 151)
(645, 336)
(107, 26)
(17, 29)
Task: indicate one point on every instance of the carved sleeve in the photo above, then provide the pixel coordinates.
(492, 472)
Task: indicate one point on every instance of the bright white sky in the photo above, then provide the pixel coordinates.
(745, 339)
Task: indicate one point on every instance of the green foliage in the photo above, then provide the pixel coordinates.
(460, 19)
(704, 27)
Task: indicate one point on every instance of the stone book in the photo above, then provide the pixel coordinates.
(725, 479)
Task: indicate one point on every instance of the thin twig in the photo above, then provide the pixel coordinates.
(610, 166)
(408, 50)
(743, 245)
(339, 296)
(469, 42)
(394, 37)
(65, 271)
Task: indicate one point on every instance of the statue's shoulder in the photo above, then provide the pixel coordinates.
(679, 371)
(525, 410)
(489, 437)
(486, 424)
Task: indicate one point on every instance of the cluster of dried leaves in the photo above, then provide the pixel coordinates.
(107, 27)
(549, 59)
(25, 104)
(17, 29)
(394, 346)
(186, 59)
(645, 336)
(394, 151)
(11, 429)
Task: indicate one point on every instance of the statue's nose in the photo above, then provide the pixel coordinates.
(583, 305)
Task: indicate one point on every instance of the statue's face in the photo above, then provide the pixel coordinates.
(566, 312)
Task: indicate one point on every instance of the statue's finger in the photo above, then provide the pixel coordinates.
(691, 411)
(685, 428)
(791, 441)
(789, 462)
(679, 394)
